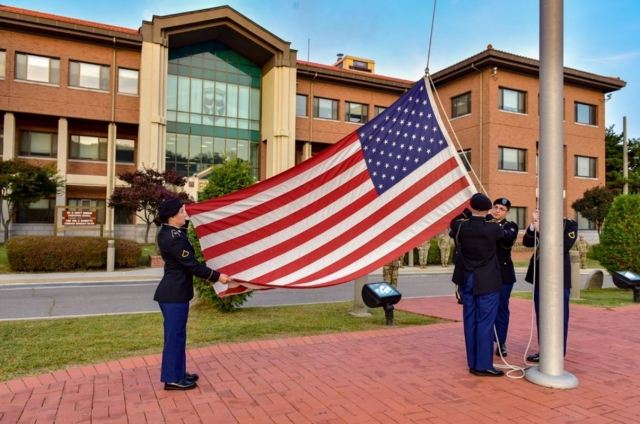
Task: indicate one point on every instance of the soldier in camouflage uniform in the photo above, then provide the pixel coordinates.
(444, 243)
(583, 248)
(423, 253)
(390, 271)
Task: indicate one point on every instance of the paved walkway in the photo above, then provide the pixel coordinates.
(412, 375)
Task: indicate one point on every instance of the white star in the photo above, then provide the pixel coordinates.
(393, 178)
(373, 150)
(393, 144)
(395, 167)
(378, 163)
(421, 87)
(378, 139)
(416, 160)
(375, 173)
(361, 134)
(386, 165)
(435, 129)
(406, 135)
(384, 176)
(413, 112)
(375, 126)
(428, 151)
(407, 158)
(398, 157)
(406, 110)
(385, 141)
(426, 127)
(394, 119)
(410, 98)
(429, 116)
(413, 137)
(409, 123)
(370, 137)
(381, 152)
(390, 130)
(366, 147)
(399, 108)
(431, 140)
(417, 100)
(410, 147)
(380, 186)
(420, 114)
(381, 129)
(424, 103)
(422, 138)
(419, 149)
(441, 142)
(402, 146)
(402, 122)
(390, 154)
(386, 118)
(397, 132)
(404, 168)
(369, 160)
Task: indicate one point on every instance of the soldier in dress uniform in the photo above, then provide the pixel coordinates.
(477, 274)
(583, 248)
(423, 253)
(444, 244)
(390, 271)
(176, 290)
(501, 208)
(531, 239)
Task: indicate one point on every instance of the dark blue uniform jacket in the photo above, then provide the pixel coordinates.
(570, 237)
(476, 243)
(180, 265)
(510, 234)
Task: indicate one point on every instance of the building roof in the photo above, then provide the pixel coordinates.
(491, 58)
(19, 11)
(349, 77)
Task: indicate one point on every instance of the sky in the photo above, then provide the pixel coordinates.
(601, 37)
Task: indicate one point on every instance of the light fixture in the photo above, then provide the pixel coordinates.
(382, 295)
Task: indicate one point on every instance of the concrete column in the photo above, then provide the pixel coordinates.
(111, 178)
(306, 150)
(153, 106)
(63, 148)
(278, 118)
(8, 152)
(359, 308)
(9, 136)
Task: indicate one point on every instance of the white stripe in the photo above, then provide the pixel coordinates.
(276, 191)
(374, 232)
(344, 226)
(282, 213)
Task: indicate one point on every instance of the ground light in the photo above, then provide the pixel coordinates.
(628, 280)
(382, 294)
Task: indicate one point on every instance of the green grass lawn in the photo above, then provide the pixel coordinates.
(605, 298)
(591, 264)
(33, 347)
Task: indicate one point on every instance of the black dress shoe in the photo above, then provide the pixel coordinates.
(534, 358)
(501, 348)
(180, 385)
(191, 377)
(471, 370)
(459, 301)
(488, 373)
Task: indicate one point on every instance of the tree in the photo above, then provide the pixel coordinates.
(228, 177)
(620, 239)
(22, 184)
(147, 189)
(595, 205)
(613, 161)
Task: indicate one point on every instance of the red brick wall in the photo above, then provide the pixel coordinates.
(64, 101)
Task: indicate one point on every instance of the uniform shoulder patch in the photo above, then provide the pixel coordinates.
(185, 253)
(572, 234)
(175, 233)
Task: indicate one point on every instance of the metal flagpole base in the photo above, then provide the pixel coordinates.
(565, 381)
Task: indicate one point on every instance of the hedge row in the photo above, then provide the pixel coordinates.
(50, 253)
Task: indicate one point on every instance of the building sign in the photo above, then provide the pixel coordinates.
(79, 218)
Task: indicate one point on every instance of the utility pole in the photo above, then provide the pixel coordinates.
(625, 157)
(550, 372)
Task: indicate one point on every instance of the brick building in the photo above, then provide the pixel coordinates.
(185, 89)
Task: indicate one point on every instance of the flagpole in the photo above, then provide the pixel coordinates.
(550, 372)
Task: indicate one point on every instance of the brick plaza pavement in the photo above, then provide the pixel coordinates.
(410, 375)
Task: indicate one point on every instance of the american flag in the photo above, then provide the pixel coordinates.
(374, 195)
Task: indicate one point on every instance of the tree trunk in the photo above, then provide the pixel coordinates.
(146, 234)
(6, 231)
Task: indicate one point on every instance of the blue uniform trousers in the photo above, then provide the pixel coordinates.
(174, 356)
(479, 315)
(536, 301)
(502, 318)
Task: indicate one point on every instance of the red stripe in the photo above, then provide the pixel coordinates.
(300, 215)
(387, 235)
(219, 202)
(279, 201)
(357, 229)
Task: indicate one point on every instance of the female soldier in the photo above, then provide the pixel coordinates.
(176, 290)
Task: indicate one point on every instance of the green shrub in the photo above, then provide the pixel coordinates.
(51, 253)
(620, 237)
(594, 252)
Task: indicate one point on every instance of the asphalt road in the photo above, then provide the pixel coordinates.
(46, 301)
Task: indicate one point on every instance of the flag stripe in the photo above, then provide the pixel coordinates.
(265, 191)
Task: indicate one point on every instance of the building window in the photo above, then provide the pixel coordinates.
(584, 223)
(465, 157)
(3, 61)
(124, 150)
(586, 114)
(40, 212)
(585, 167)
(325, 108)
(88, 75)
(356, 112)
(301, 105)
(360, 65)
(377, 110)
(512, 100)
(518, 215)
(461, 105)
(510, 159)
(127, 81)
(37, 68)
(34, 143)
(86, 147)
